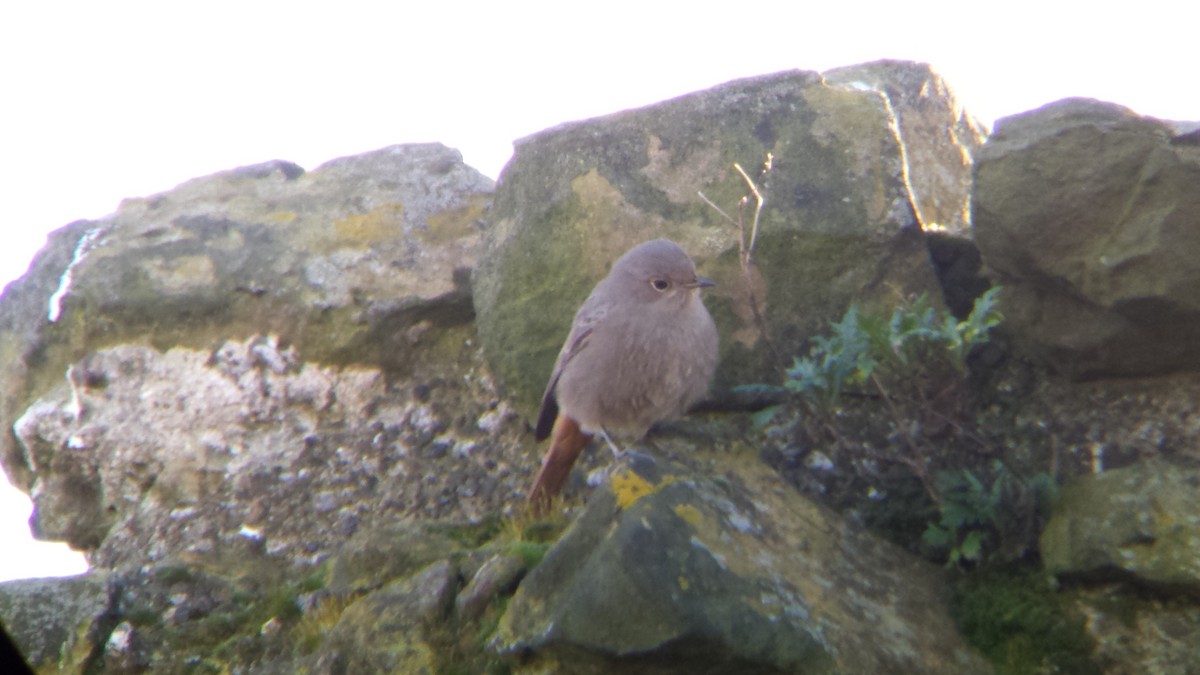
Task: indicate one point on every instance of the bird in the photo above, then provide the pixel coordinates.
(642, 349)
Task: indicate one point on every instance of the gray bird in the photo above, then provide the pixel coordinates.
(642, 349)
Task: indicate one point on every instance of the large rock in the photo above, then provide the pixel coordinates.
(839, 224)
(145, 456)
(1143, 520)
(1118, 535)
(939, 136)
(1087, 213)
(670, 570)
(348, 264)
(216, 388)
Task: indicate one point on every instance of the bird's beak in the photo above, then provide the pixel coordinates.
(701, 282)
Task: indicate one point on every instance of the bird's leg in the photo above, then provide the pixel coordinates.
(597, 477)
(618, 453)
(632, 456)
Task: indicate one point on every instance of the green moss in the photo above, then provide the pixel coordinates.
(1021, 624)
(173, 574)
(545, 279)
(541, 531)
(142, 616)
(490, 621)
(524, 536)
(532, 553)
(471, 535)
(282, 604)
(312, 628)
(463, 648)
(316, 580)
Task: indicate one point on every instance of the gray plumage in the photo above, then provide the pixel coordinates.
(642, 347)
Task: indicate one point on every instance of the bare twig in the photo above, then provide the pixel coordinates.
(746, 252)
(717, 208)
(915, 461)
(746, 244)
(758, 210)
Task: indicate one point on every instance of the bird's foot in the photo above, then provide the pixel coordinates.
(631, 458)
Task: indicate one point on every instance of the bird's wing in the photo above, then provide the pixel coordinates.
(590, 315)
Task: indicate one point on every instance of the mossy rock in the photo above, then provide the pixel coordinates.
(838, 224)
(350, 263)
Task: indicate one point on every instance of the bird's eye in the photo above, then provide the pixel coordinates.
(660, 284)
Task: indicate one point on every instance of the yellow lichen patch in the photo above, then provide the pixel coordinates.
(182, 274)
(73, 655)
(683, 583)
(454, 224)
(281, 217)
(379, 224)
(690, 514)
(602, 208)
(630, 487)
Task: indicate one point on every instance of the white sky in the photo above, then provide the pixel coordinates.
(105, 100)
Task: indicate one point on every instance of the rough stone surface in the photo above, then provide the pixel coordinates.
(940, 138)
(385, 632)
(838, 225)
(670, 571)
(390, 551)
(1082, 428)
(133, 467)
(55, 621)
(1087, 213)
(497, 576)
(1141, 635)
(349, 264)
(1142, 520)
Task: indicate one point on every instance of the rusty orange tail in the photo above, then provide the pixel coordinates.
(566, 442)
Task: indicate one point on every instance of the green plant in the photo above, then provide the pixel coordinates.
(889, 397)
(972, 514)
(985, 315)
(836, 361)
(914, 362)
(869, 350)
(969, 509)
